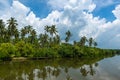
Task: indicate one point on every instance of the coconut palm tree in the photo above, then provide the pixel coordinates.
(43, 39)
(33, 36)
(83, 41)
(2, 31)
(90, 41)
(52, 30)
(68, 35)
(23, 33)
(12, 26)
(16, 35)
(95, 44)
(47, 29)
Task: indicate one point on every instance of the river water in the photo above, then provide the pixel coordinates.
(62, 69)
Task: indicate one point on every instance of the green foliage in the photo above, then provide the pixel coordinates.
(66, 50)
(46, 53)
(7, 50)
(26, 43)
(24, 49)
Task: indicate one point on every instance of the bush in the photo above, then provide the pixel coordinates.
(24, 49)
(66, 50)
(46, 52)
(7, 50)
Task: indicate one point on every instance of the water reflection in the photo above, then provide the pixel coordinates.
(60, 69)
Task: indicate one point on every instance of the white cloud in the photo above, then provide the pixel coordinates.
(74, 15)
(72, 4)
(116, 12)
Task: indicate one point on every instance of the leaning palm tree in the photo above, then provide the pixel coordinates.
(68, 35)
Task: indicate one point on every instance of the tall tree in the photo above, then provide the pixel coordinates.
(90, 41)
(12, 26)
(2, 31)
(53, 30)
(68, 35)
(47, 29)
(23, 33)
(43, 39)
(95, 44)
(83, 41)
(33, 36)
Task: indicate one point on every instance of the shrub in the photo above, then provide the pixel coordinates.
(7, 50)
(24, 49)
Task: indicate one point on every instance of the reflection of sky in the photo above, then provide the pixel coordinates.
(108, 69)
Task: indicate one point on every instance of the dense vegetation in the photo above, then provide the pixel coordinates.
(26, 43)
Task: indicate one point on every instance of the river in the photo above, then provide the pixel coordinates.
(62, 69)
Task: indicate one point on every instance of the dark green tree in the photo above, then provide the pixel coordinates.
(68, 35)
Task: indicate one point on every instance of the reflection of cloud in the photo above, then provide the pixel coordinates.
(108, 69)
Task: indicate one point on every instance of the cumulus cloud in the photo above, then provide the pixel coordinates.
(73, 15)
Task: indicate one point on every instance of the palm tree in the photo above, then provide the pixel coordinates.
(43, 38)
(47, 29)
(2, 31)
(53, 30)
(23, 33)
(92, 71)
(29, 29)
(83, 41)
(12, 26)
(90, 41)
(16, 35)
(68, 35)
(95, 44)
(33, 36)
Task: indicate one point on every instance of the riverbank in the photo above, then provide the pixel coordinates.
(24, 51)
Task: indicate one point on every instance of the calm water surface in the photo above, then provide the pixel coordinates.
(62, 69)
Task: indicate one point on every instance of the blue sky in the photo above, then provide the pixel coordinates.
(39, 7)
(42, 9)
(99, 19)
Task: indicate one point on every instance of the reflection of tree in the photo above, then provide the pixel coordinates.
(47, 68)
(31, 75)
(66, 70)
(83, 71)
(68, 77)
(42, 73)
(96, 64)
(56, 72)
(67, 74)
(49, 71)
(92, 72)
